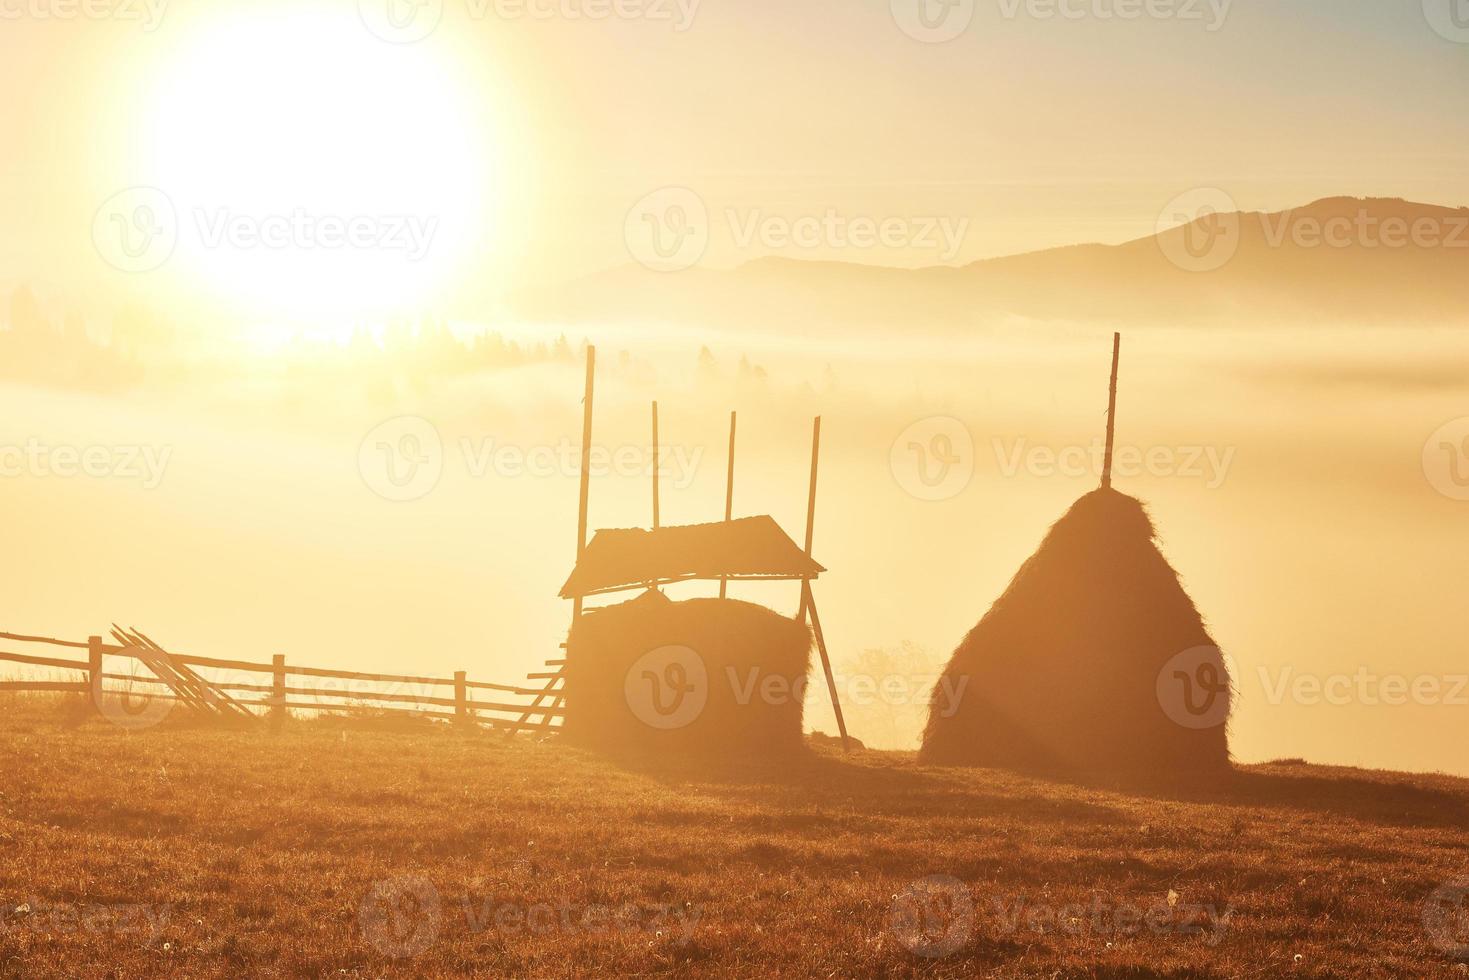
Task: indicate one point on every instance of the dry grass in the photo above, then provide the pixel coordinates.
(201, 854)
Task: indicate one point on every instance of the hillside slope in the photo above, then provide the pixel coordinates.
(1373, 260)
(323, 851)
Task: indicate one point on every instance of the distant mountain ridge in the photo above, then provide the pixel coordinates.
(1339, 259)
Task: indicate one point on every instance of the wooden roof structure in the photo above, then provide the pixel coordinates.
(750, 548)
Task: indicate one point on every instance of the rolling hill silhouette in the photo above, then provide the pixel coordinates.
(1282, 269)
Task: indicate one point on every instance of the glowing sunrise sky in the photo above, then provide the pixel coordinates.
(530, 137)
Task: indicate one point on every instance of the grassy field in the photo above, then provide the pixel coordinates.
(327, 851)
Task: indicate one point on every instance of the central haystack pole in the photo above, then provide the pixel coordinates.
(1093, 662)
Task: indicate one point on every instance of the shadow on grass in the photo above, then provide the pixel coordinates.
(1389, 798)
(890, 785)
(877, 785)
(1382, 798)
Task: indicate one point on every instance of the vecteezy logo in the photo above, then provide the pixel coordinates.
(1199, 231)
(1193, 688)
(402, 459)
(933, 459)
(1449, 18)
(667, 688)
(400, 917)
(1446, 918)
(933, 917)
(401, 21)
(1446, 459)
(933, 21)
(136, 229)
(130, 710)
(668, 230)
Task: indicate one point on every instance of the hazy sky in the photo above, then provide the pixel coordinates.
(207, 160)
(526, 133)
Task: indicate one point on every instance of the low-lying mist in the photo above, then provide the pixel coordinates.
(423, 522)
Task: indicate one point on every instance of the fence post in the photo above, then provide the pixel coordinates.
(278, 691)
(94, 672)
(461, 699)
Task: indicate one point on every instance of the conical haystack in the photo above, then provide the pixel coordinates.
(1094, 661)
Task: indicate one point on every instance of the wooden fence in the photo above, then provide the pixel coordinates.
(452, 698)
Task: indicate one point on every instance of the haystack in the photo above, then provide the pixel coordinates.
(703, 675)
(1062, 675)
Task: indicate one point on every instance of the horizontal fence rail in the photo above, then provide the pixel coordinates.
(79, 687)
(367, 693)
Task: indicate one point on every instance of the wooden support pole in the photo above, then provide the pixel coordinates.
(1111, 413)
(729, 492)
(811, 505)
(808, 601)
(811, 497)
(461, 699)
(586, 463)
(94, 671)
(655, 466)
(278, 691)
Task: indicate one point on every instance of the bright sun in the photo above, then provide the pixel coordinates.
(317, 172)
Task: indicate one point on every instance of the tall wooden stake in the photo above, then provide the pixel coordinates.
(808, 601)
(728, 493)
(811, 498)
(1111, 413)
(811, 504)
(586, 464)
(655, 466)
